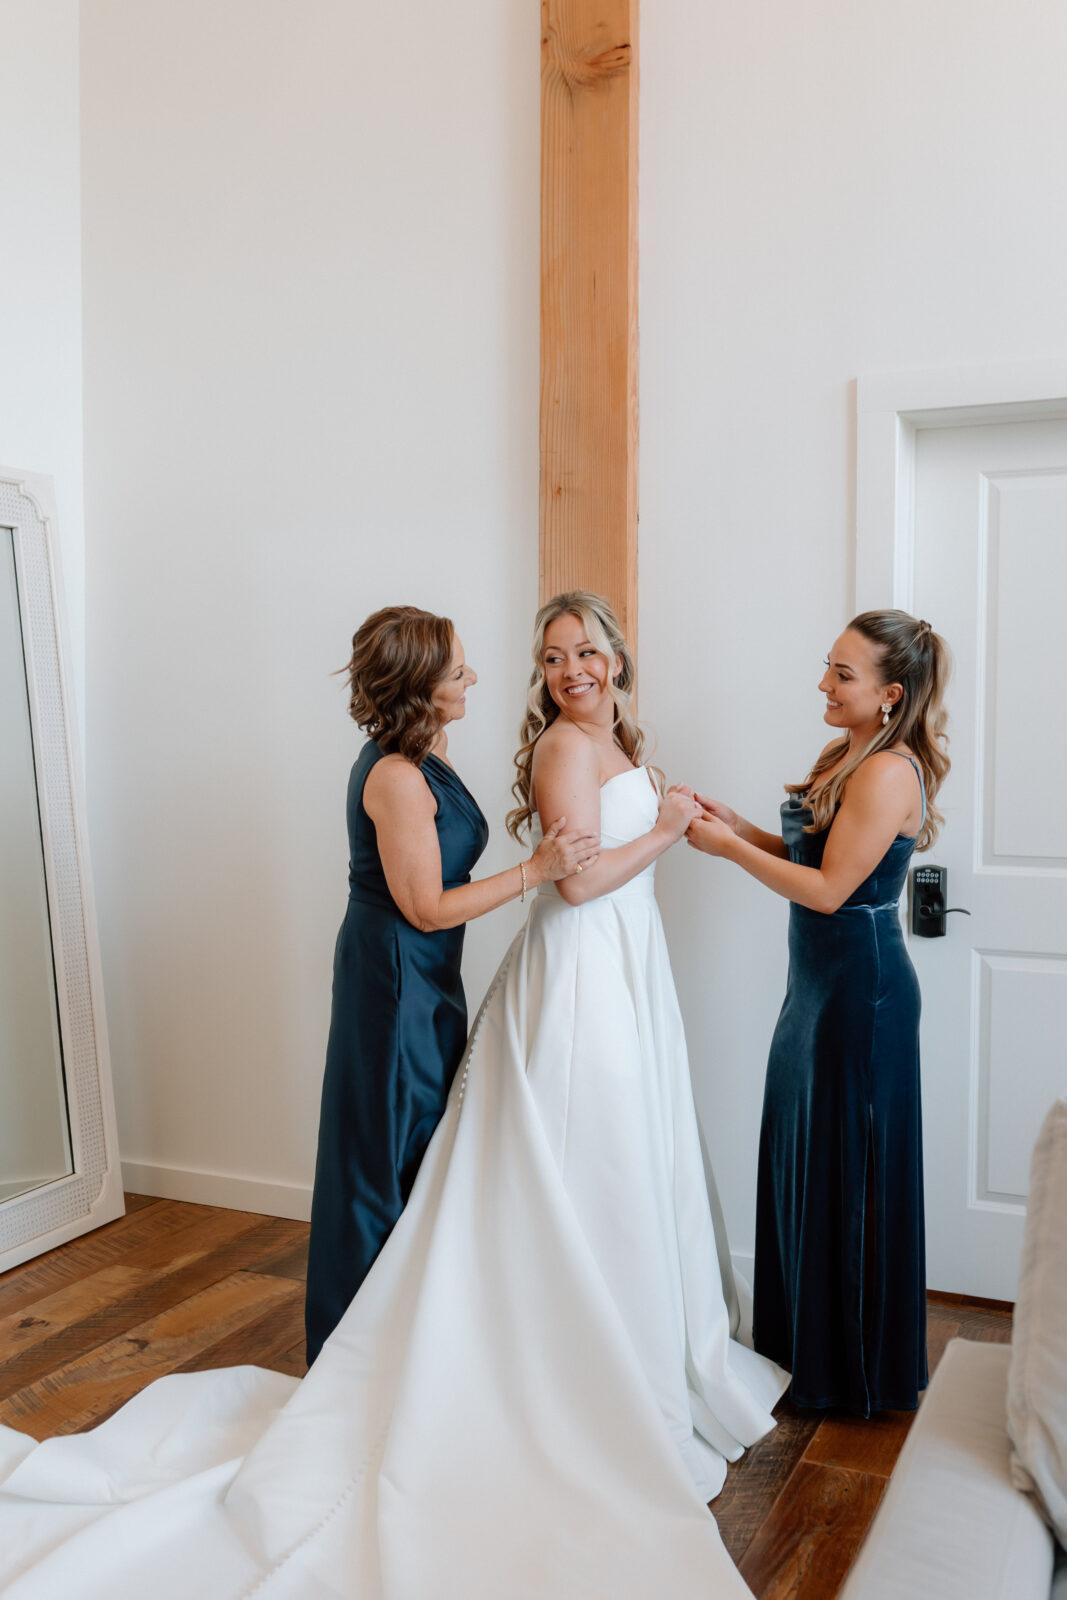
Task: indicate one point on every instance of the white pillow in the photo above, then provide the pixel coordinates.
(1037, 1377)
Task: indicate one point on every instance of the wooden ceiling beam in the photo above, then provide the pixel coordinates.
(588, 492)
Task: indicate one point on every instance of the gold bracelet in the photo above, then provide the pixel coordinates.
(522, 869)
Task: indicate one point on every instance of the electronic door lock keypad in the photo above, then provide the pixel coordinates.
(929, 892)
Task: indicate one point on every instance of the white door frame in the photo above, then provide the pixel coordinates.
(891, 408)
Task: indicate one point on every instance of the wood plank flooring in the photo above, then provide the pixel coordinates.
(169, 1287)
(174, 1287)
(797, 1505)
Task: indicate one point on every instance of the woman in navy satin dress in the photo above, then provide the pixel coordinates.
(840, 1287)
(399, 1019)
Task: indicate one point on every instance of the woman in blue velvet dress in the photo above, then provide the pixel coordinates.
(399, 1020)
(840, 1290)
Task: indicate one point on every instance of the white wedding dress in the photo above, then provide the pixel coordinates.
(535, 1390)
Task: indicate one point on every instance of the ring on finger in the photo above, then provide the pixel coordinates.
(578, 866)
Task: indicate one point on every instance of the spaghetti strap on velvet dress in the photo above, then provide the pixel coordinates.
(840, 1271)
(398, 1028)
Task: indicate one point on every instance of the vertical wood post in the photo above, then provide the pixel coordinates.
(589, 300)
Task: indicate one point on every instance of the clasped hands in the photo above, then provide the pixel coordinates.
(712, 823)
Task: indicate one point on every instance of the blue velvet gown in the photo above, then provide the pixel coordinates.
(397, 1032)
(840, 1272)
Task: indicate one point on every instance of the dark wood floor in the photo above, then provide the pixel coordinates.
(797, 1505)
(173, 1287)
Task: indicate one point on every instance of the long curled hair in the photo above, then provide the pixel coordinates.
(910, 653)
(399, 655)
(605, 635)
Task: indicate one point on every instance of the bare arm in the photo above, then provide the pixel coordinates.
(772, 843)
(878, 799)
(402, 807)
(566, 771)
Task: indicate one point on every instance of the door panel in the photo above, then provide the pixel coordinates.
(991, 576)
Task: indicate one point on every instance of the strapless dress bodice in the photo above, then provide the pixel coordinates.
(629, 806)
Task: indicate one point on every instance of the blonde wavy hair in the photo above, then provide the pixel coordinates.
(912, 654)
(605, 635)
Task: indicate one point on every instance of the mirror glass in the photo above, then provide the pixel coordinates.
(35, 1145)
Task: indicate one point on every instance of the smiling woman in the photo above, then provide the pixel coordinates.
(399, 1020)
(840, 1292)
(579, 733)
(578, 648)
(537, 1389)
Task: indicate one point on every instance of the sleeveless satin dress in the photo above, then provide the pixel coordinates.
(397, 1031)
(840, 1271)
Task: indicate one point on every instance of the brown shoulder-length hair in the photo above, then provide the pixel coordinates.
(912, 654)
(398, 656)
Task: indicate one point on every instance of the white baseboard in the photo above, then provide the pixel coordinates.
(272, 1199)
(744, 1262)
(218, 1189)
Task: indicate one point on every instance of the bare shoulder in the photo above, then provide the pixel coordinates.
(393, 782)
(564, 745)
(883, 776)
(566, 776)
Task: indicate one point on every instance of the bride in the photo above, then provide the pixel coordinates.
(536, 1389)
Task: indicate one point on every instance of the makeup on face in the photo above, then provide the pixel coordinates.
(577, 674)
(450, 693)
(851, 683)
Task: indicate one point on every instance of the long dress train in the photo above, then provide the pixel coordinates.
(535, 1390)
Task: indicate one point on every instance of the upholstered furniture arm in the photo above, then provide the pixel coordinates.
(952, 1525)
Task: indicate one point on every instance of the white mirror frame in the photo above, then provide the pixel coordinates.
(91, 1195)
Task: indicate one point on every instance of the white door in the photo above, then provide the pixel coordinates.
(990, 574)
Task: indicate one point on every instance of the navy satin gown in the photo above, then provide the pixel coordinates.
(840, 1271)
(397, 1032)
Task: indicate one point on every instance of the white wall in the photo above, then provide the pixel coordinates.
(311, 353)
(827, 189)
(40, 432)
(311, 381)
(40, 272)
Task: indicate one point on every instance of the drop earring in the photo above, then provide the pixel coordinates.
(885, 708)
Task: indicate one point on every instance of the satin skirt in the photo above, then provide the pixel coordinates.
(534, 1392)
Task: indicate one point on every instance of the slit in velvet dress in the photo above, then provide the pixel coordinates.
(398, 1028)
(840, 1270)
